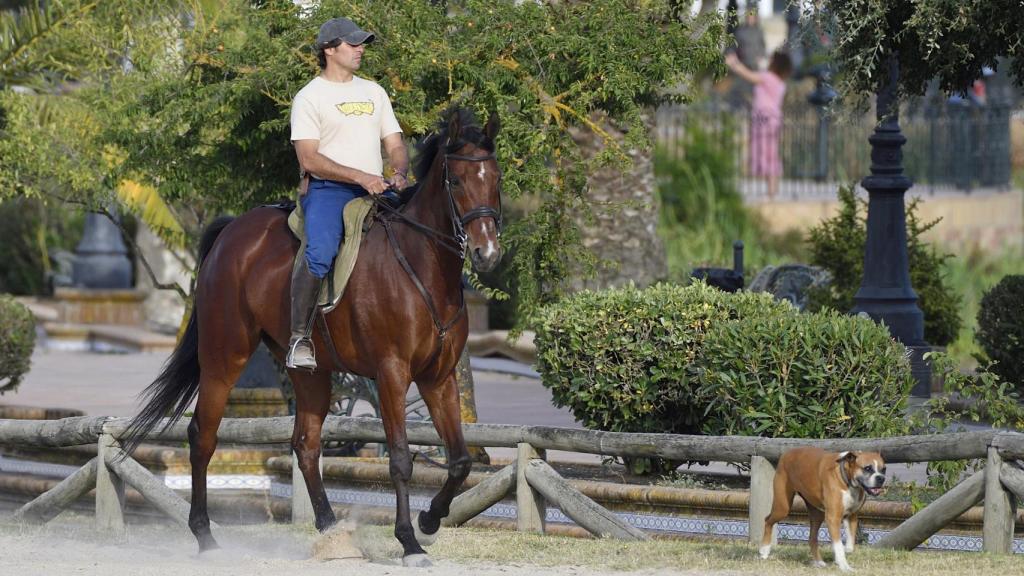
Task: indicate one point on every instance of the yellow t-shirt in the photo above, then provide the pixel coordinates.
(348, 118)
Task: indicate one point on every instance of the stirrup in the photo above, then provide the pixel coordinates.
(289, 360)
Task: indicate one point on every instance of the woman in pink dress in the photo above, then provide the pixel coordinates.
(765, 115)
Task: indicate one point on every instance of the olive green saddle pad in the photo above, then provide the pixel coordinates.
(355, 216)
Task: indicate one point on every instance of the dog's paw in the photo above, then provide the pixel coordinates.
(764, 551)
(818, 564)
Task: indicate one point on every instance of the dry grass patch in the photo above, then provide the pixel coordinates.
(469, 545)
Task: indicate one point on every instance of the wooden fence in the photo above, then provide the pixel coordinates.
(535, 483)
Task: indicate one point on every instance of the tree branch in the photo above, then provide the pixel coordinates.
(135, 247)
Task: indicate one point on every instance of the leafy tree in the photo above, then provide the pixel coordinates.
(950, 41)
(215, 135)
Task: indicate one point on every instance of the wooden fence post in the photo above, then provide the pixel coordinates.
(921, 526)
(530, 506)
(472, 502)
(1000, 508)
(50, 504)
(302, 505)
(596, 519)
(762, 477)
(109, 489)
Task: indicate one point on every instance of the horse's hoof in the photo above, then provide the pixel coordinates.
(422, 537)
(417, 561)
(207, 545)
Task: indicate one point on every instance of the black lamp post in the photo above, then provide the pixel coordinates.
(885, 292)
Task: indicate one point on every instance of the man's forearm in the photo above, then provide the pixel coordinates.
(327, 169)
(398, 158)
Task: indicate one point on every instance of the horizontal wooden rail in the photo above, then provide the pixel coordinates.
(51, 433)
(898, 449)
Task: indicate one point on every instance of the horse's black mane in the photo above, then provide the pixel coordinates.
(471, 133)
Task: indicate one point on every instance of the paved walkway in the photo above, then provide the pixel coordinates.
(108, 384)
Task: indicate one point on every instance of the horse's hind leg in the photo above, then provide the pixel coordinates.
(222, 357)
(443, 402)
(312, 400)
(202, 440)
(392, 384)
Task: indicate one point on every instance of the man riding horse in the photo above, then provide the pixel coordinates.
(338, 122)
(401, 318)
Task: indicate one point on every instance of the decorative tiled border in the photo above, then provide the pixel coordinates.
(651, 522)
(36, 468)
(221, 482)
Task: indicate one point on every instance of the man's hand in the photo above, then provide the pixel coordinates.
(373, 184)
(398, 182)
(303, 185)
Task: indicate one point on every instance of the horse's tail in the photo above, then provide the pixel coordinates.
(178, 383)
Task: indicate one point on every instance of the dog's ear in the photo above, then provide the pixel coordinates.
(847, 457)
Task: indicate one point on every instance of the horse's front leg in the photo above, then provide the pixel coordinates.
(312, 401)
(393, 384)
(442, 400)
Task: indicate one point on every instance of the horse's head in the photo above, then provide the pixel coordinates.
(473, 181)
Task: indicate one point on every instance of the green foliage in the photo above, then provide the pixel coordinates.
(625, 360)
(702, 182)
(935, 39)
(59, 40)
(982, 396)
(544, 67)
(703, 212)
(1001, 329)
(206, 123)
(824, 375)
(837, 245)
(17, 340)
(972, 275)
(697, 360)
(31, 229)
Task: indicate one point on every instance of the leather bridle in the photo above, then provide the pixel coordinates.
(454, 243)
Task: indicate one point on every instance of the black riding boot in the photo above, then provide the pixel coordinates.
(305, 290)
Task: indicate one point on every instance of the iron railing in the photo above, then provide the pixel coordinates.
(952, 147)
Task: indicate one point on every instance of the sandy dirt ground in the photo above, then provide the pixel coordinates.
(70, 547)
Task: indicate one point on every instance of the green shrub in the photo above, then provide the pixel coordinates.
(625, 360)
(692, 360)
(701, 182)
(823, 375)
(837, 245)
(1001, 329)
(17, 339)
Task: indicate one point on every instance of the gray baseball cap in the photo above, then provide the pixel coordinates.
(342, 29)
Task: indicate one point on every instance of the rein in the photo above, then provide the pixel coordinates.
(454, 243)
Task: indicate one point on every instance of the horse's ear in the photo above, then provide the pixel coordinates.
(493, 125)
(454, 127)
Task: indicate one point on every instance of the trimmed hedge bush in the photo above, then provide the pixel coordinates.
(1001, 329)
(824, 375)
(624, 360)
(697, 360)
(17, 340)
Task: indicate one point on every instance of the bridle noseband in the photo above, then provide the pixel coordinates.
(459, 223)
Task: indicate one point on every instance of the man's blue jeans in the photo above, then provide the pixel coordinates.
(323, 206)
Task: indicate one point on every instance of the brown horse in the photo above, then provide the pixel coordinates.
(402, 319)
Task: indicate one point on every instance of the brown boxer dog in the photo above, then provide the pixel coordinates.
(834, 486)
